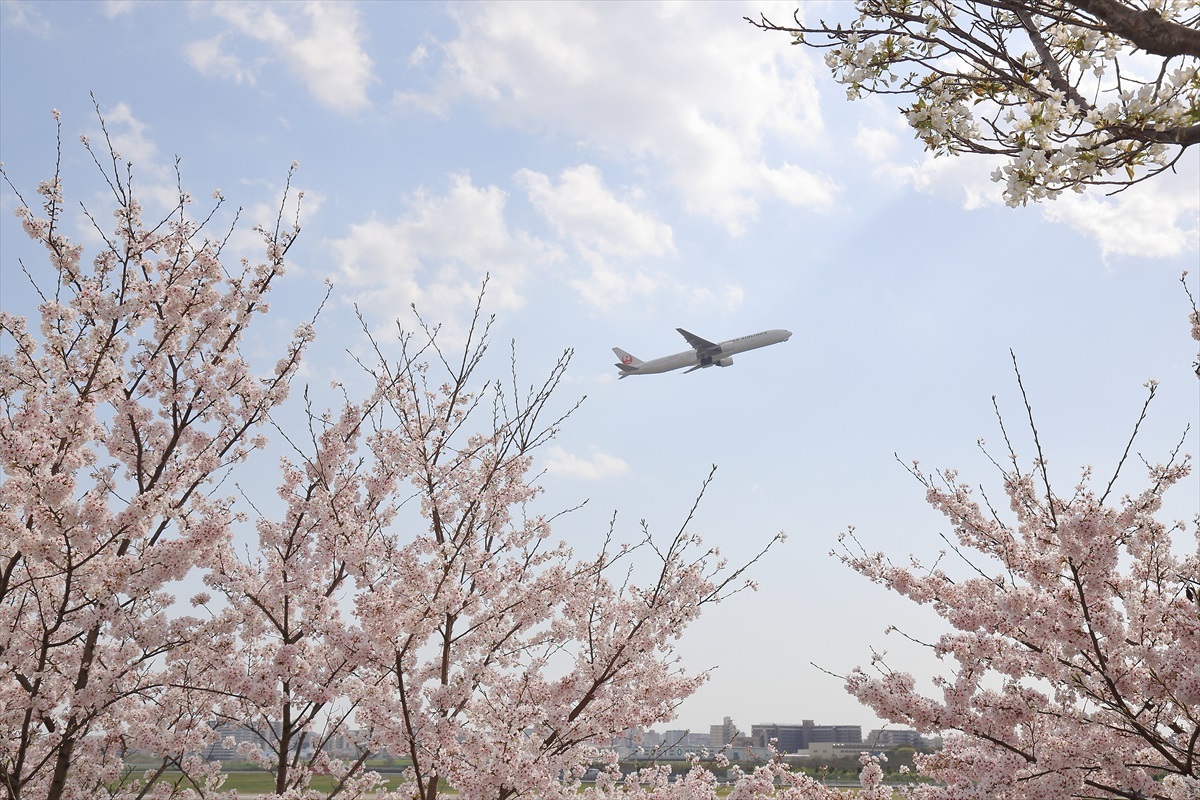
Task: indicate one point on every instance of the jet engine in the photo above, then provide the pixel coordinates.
(724, 362)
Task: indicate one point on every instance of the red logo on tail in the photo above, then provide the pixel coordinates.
(626, 359)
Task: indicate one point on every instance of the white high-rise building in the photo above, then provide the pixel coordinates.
(721, 735)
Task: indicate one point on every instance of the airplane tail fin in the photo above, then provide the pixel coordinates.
(627, 360)
(627, 363)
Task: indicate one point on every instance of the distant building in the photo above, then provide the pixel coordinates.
(633, 738)
(348, 745)
(740, 750)
(661, 753)
(787, 738)
(796, 738)
(745, 753)
(230, 735)
(692, 742)
(830, 751)
(888, 738)
(721, 735)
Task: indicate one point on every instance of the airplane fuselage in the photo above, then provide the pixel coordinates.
(718, 354)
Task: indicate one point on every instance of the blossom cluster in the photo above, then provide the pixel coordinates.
(1074, 639)
(120, 413)
(1070, 98)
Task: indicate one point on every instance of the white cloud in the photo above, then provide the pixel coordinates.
(597, 466)
(247, 243)
(965, 177)
(131, 143)
(582, 209)
(117, 8)
(688, 92)
(798, 186)
(726, 296)
(418, 55)
(437, 253)
(622, 245)
(157, 188)
(209, 58)
(1155, 219)
(607, 285)
(155, 181)
(320, 41)
(876, 144)
(23, 15)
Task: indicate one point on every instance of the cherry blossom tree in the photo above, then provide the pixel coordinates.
(289, 669)
(463, 637)
(1075, 639)
(1072, 93)
(405, 594)
(120, 415)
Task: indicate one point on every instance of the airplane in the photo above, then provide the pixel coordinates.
(703, 353)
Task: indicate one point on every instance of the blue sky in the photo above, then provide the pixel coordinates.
(622, 170)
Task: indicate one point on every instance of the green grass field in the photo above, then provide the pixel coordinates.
(254, 782)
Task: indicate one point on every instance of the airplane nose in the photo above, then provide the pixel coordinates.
(787, 335)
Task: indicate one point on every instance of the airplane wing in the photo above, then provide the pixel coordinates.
(703, 347)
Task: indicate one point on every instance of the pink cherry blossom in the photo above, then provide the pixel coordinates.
(464, 637)
(122, 405)
(1074, 635)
